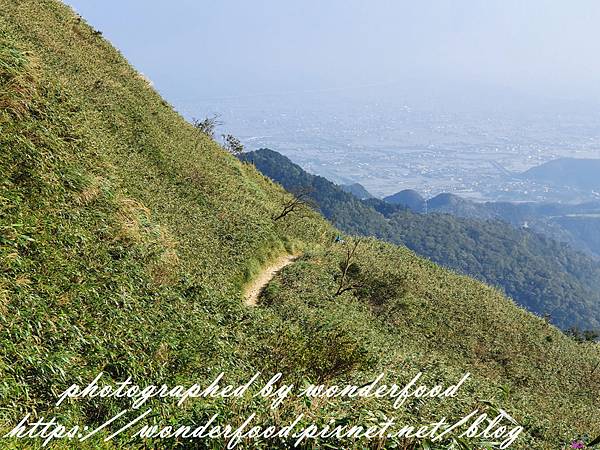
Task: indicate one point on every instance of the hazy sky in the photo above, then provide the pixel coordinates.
(208, 49)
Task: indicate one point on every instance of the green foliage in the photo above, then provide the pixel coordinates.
(544, 276)
(414, 314)
(126, 236)
(232, 144)
(207, 125)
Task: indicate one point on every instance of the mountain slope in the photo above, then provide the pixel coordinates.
(575, 224)
(409, 198)
(127, 238)
(357, 189)
(543, 275)
(572, 172)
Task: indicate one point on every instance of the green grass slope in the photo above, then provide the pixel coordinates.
(126, 238)
(544, 276)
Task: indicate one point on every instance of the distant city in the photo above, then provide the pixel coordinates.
(388, 146)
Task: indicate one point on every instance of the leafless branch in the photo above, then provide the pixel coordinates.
(299, 200)
(350, 252)
(207, 125)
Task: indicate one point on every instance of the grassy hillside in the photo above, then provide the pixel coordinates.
(544, 276)
(127, 237)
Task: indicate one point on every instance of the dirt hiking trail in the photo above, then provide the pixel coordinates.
(254, 289)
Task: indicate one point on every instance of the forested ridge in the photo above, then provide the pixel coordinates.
(544, 275)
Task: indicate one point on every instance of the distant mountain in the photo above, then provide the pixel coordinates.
(443, 203)
(356, 189)
(572, 172)
(545, 276)
(577, 225)
(409, 198)
(454, 204)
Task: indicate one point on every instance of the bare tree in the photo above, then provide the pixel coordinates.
(300, 200)
(207, 125)
(232, 144)
(348, 267)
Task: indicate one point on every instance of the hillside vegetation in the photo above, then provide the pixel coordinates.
(544, 276)
(127, 238)
(575, 224)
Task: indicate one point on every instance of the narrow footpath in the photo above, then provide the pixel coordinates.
(254, 289)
